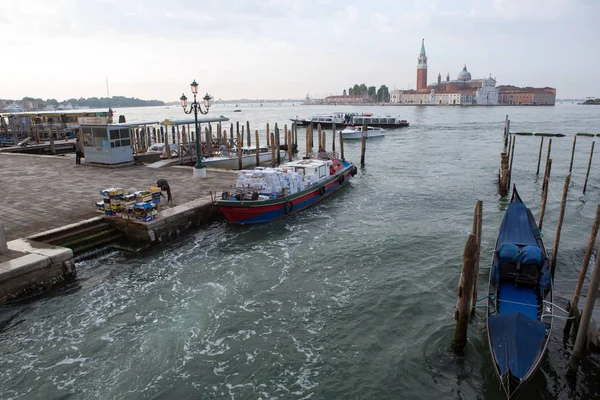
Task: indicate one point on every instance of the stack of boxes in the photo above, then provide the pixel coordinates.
(270, 182)
(141, 205)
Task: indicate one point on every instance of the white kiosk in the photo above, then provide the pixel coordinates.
(108, 145)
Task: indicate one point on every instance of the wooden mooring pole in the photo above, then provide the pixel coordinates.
(544, 196)
(319, 137)
(290, 148)
(563, 205)
(477, 231)
(588, 168)
(239, 150)
(295, 134)
(583, 272)
(273, 159)
(465, 289)
(503, 175)
(249, 141)
(512, 157)
(537, 172)
(268, 136)
(333, 138)
(546, 169)
(363, 145)
(342, 147)
(257, 148)
(277, 144)
(505, 131)
(572, 153)
(582, 333)
(508, 150)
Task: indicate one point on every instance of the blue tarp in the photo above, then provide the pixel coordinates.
(510, 252)
(517, 337)
(516, 227)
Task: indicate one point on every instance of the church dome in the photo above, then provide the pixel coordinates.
(464, 75)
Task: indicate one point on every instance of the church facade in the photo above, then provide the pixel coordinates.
(467, 91)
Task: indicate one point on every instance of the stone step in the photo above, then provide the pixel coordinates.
(67, 231)
(100, 242)
(82, 240)
(66, 238)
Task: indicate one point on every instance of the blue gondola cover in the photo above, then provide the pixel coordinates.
(516, 227)
(518, 337)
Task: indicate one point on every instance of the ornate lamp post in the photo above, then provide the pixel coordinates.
(199, 168)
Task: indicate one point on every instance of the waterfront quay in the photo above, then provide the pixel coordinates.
(46, 192)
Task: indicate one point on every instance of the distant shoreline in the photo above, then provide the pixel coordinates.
(425, 105)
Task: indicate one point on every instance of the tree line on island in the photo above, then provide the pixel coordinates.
(97, 102)
(381, 95)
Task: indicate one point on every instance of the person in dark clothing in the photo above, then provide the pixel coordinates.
(164, 187)
(78, 151)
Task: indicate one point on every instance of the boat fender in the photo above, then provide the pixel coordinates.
(287, 207)
(341, 180)
(354, 171)
(322, 190)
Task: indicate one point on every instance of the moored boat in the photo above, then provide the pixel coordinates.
(520, 306)
(353, 119)
(356, 132)
(267, 194)
(229, 159)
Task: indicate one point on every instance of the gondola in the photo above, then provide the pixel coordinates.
(520, 306)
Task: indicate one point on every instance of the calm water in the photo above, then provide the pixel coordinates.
(352, 299)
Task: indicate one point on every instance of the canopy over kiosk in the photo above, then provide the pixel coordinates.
(108, 145)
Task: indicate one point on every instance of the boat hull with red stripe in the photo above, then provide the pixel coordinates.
(258, 211)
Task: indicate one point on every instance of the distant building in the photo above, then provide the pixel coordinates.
(467, 91)
(349, 99)
(512, 95)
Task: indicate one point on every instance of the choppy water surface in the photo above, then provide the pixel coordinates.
(353, 298)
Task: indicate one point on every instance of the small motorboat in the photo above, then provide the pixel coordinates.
(520, 308)
(229, 159)
(267, 194)
(356, 132)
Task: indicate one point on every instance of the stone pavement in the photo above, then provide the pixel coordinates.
(46, 192)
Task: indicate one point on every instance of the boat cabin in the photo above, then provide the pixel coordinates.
(311, 168)
(359, 120)
(108, 145)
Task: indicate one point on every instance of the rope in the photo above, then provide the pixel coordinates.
(554, 305)
(488, 307)
(555, 316)
(489, 296)
(516, 302)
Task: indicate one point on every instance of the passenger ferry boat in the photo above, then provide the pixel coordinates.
(267, 194)
(342, 120)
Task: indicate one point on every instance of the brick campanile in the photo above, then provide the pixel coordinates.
(422, 70)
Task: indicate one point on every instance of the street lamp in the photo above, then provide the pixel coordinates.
(199, 168)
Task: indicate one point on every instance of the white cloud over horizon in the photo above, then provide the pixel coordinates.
(285, 49)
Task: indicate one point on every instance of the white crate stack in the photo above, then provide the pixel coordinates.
(271, 180)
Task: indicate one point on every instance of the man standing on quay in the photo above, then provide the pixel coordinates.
(78, 151)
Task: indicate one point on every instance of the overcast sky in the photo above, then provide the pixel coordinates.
(153, 49)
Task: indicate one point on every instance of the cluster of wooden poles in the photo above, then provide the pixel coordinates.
(467, 291)
(143, 137)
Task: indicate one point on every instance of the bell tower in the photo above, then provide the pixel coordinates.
(422, 69)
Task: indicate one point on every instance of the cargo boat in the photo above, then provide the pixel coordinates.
(268, 194)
